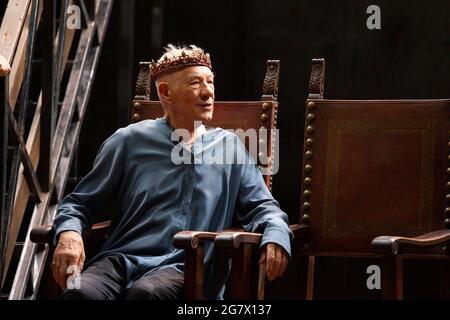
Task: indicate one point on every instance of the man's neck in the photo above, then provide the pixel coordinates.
(194, 131)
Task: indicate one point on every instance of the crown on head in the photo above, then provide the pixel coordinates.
(185, 59)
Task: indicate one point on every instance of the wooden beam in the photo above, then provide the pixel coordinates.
(29, 171)
(32, 145)
(18, 64)
(11, 28)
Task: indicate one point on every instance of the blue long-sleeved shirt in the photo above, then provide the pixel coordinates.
(155, 197)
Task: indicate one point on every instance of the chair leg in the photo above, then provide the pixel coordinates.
(392, 278)
(261, 280)
(445, 280)
(241, 277)
(310, 284)
(193, 273)
(399, 277)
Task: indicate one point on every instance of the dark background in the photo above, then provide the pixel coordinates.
(408, 58)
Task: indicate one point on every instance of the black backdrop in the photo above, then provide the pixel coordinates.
(409, 57)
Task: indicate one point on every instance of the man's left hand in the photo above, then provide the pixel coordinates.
(275, 258)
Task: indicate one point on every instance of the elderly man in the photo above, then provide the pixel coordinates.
(5, 69)
(155, 196)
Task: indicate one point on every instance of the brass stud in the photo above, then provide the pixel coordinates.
(308, 168)
(307, 194)
(136, 117)
(310, 118)
(136, 105)
(309, 142)
(265, 106)
(447, 198)
(308, 181)
(448, 170)
(309, 129)
(447, 223)
(305, 218)
(308, 155)
(448, 143)
(448, 184)
(264, 117)
(311, 105)
(306, 206)
(447, 212)
(262, 142)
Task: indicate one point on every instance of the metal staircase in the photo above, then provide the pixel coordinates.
(53, 47)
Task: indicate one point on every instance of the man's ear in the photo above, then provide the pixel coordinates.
(164, 92)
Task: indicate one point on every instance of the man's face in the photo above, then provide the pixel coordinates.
(192, 93)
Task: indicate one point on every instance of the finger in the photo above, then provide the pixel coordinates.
(277, 262)
(284, 264)
(73, 260)
(56, 274)
(81, 262)
(270, 259)
(62, 273)
(262, 257)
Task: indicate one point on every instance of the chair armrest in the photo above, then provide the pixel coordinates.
(46, 233)
(300, 230)
(392, 245)
(42, 234)
(234, 239)
(190, 239)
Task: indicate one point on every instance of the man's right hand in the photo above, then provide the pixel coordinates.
(69, 252)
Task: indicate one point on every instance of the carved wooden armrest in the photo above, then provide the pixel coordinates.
(394, 244)
(42, 234)
(234, 239)
(190, 239)
(46, 233)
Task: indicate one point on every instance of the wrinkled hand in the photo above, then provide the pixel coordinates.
(4, 67)
(68, 257)
(275, 258)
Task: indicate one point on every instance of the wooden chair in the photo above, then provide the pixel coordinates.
(371, 168)
(243, 115)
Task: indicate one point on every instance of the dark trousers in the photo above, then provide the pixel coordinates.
(106, 280)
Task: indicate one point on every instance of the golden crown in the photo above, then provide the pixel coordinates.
(191, 58)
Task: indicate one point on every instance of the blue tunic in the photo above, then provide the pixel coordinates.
(155, 198)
